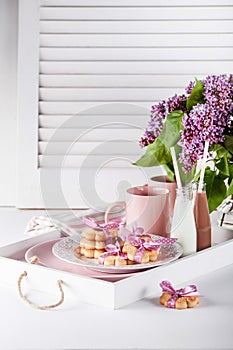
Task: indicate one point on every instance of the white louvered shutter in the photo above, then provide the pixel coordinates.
(89, 72)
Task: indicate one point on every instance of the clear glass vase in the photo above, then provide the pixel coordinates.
(183, 223)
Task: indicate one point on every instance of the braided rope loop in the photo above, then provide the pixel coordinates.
(35, 306)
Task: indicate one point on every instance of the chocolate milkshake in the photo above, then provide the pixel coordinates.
(202, 220)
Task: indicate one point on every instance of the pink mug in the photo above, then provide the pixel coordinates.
(146, 207)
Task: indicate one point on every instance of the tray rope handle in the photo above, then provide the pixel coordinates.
(35, 306)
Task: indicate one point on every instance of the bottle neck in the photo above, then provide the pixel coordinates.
(185, 192)
(196, 187)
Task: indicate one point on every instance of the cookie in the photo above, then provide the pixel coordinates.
(153, 255)
(88, 253)
(89, 244)
(192, 301)
(113, 258)
(120, 262)
(129, 249)
(98, 252)
(181, 302)
(164, 298)
(109, 260)
(94, 235)
(147, 255)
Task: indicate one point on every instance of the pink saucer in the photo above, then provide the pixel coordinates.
(44, 252)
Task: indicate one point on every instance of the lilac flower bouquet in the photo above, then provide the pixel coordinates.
(203, 113)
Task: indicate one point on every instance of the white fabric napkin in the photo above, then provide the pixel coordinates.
(69, 222)
(41, 224)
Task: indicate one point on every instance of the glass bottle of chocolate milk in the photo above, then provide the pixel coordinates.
(202, 219)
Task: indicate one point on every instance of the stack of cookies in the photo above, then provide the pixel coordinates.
(181, 302)
(183, 298)
(93, 242)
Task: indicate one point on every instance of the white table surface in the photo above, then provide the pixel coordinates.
(142, 325)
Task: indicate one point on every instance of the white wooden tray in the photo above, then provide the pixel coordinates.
(105, 293)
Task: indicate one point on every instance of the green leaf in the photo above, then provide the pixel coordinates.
(148, 159)
(222, 166)
(230, 189)
(187, 178)
(171, 130)
(220, 151)
(228, 143)
(156, 154)
(196, 96)
(197, 176)
(170, 172)
(230, 167)
(162, 153)
(215, 189)
(230, 179)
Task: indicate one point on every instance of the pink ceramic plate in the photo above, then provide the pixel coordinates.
(44, 252)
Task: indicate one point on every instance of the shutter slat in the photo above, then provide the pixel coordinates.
(134, 40)
(106, 94)
(123, 81)
(87, 161)
(76, 108)
(89, 134)
(140, 27)
(165, 67)
(134, 13)
(133, 3)
(84, 148)
(84, 121)
(132, 54)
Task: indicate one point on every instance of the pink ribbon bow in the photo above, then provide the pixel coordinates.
(189, 291)
(112, 249)
(125, 234)
(139, 232)
(105, 227)
(142, 245)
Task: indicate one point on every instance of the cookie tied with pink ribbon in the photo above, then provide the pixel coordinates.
(133, 247)
(113, 256)
(96, 236)
(140, 247)
(183, 298)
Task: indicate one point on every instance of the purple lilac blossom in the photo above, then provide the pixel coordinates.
(158, 115)
(155, 124)
(175, 103)
(207, 122)
(190, 87)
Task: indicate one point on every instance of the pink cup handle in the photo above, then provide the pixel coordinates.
(109, 209)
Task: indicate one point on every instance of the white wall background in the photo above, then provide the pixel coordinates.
(8, 81)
